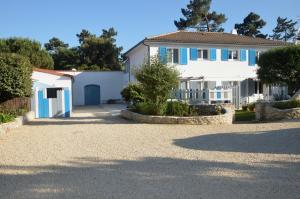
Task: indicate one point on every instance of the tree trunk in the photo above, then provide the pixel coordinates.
(207, 24)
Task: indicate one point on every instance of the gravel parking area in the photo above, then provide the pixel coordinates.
(96, 154)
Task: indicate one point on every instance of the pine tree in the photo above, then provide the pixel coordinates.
(54, 44)
(197, 16)
(285, 29)
(251, 25)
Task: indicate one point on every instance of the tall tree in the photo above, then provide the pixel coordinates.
(284, 30)
(83, 35)
(251, 26)
(101, 51)
(37, 56)
(54, 44)
(93, 53)
(198, 16)
(281, 66)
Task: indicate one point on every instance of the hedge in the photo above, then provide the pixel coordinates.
(281, 66)
(287, 104)
(15, 76)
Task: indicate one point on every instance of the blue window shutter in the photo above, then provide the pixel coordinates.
(183, 56)
(163, 54)
(252, 57)
(193, 54)
(67, 102)
(224, 54)
(213, 54)
(242, 55)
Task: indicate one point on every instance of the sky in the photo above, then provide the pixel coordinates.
(133, 19)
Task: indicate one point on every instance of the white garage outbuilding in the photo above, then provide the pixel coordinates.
(94, 88)
(52, 94)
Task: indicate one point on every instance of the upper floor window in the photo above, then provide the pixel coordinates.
(173, 55)
(202, 53)
(257, 55)
(233, 54)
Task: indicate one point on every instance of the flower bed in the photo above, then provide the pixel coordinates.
(226, 118)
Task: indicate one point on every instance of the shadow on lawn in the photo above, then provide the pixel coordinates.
(152, 177)
(284, 141)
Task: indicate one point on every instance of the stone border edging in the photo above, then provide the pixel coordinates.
(265, 111)
(19, 121)
(226, 118)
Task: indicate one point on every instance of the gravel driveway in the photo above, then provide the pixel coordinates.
(96, 154)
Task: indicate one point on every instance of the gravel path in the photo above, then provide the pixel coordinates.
(96, 154)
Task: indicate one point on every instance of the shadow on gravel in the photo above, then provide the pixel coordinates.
(284, 141)
(152, 177)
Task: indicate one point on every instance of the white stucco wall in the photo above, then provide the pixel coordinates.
(110, 82)
(138, 57)
(51, 80)
(211, 70)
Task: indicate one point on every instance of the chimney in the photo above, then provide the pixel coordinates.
(234, 32)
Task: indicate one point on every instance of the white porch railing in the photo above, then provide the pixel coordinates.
(203, 96)
(251, 99)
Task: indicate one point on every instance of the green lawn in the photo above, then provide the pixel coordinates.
(241, 115)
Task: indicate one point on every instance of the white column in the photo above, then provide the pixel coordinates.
(36, 102)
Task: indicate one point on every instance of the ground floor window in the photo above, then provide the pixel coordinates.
(52, 92)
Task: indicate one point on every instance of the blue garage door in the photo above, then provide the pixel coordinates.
(92, 94)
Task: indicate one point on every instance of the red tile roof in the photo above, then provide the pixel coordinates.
(209, 38)
(52, 72)
(213, 38)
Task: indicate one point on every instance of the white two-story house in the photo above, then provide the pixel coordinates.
(214, 67)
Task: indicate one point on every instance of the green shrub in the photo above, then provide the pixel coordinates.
(132, 94)
(4, 118)
(281, 66)
(157, 81)
(15, 76)
(287, 104)
(244, 107)
(251, 107)
(148, 108)
(177, 108)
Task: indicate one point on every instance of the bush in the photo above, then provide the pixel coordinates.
(177, 108)
(244, 107)
(132, 94)
(287, 104)
(4, 118)
(157, 81)
(281, 97)
(15, 76)
(251, 107)
(148, 108)
(281, 66)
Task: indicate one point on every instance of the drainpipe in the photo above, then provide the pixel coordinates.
(148, 50)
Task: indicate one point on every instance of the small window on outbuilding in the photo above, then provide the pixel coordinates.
(52, 92)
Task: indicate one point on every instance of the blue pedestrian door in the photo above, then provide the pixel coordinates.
(43, 104)
(92, 94)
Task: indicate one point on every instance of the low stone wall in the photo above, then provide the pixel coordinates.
(19, 121)
(265, 111)
(226, 118)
